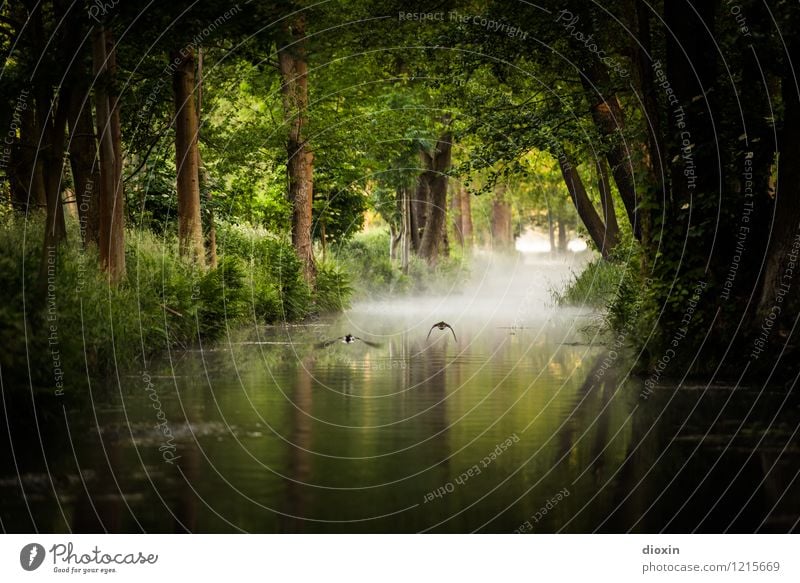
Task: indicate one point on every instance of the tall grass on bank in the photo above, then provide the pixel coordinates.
(595, 286)
(618, 290)
(65, 325)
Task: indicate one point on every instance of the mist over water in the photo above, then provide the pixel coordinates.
(506, 291)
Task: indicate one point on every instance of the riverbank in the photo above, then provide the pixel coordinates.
(63, 326)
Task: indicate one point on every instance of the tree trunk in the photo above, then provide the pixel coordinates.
(111, 207)
(300, 165)
(53, 128)
(421, 202)
(84, 165)
(607, 204)
(211, 228)
(395, 236)
(414, 222)
(116, 128)
(654, 148)
(501, 219)
(562, 235)
(610, 123)
(551, 230)
(586, 211)
(404, 202)
(785, 236)
(433, 241)
(692, 72)
(466, 216)
(52, 121)
(26, 177)
(190, 225)
(456, 216)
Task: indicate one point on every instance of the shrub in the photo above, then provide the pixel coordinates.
(366, 258)
(222, 296)
(277, 289)
(163, 302)
(595, 286)
(332, 290)
(615, 287)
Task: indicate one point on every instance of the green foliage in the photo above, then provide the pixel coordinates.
(595, 286)
(332, 289)
(164, 303)
(274, 277)
(16, 282)
(222, 297)
(366, 258)
(617, 288)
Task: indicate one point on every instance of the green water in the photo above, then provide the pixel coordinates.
(516, 425)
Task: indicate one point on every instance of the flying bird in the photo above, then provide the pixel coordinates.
(346, 339)
(441, 326)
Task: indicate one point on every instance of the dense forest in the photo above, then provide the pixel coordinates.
(170, 168)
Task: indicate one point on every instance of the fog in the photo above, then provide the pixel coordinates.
(499, 291)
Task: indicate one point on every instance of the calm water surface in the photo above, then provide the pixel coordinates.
(519, 424)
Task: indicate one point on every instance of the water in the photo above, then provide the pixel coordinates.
(515, 426)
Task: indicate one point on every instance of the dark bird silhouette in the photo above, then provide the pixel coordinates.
(346, 339)
(441, 326)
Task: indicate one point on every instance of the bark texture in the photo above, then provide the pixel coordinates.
(437, 163)
(85, 166)
(190, 225)
(501, 220)
(583, 204)
(111, 203)
(300, 165)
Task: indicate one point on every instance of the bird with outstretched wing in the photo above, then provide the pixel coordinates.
(441, 326)
(346, 339)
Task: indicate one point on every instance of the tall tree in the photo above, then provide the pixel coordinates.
(111, 207)
(607, 204)
(785, 235)
(190, 226)
(466, 216)
(455, 216)
(404, 201)
(84, 165)
(54, 128)
(502, 237)
(609, 119)
(51, 121)
(586, 211)
(436, 163)
(26, 175)
(300, 163)
(211, 231)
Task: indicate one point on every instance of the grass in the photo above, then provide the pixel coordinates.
(97, 330)
(72, 321)
(617, 289)
(593, 287)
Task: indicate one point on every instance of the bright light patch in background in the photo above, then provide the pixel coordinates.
(577, 245)
(532, 242)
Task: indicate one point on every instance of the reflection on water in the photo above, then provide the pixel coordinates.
(512, 427)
